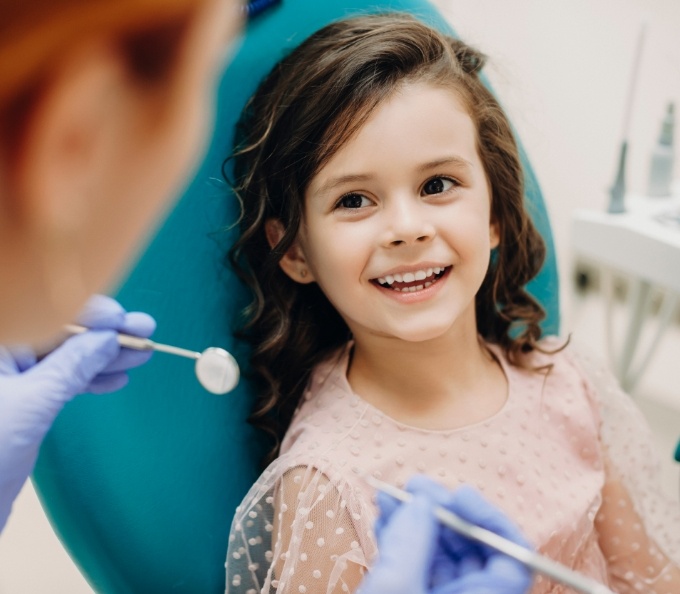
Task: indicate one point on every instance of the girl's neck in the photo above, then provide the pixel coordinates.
(444, 383)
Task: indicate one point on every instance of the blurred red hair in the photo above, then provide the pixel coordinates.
(34, 34)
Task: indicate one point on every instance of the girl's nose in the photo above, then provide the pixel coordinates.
(407, 223)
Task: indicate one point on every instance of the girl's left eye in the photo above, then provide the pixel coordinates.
(438, 185)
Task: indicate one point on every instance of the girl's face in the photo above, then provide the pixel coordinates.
(397, 229)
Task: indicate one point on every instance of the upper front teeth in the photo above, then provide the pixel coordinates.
(409, 277)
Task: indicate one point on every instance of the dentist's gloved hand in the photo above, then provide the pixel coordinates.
(417, 555)
(33, 392)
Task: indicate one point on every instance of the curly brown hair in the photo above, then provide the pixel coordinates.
(303, 112)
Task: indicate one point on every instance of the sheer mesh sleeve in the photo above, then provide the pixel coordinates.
(639, 528)
(300, 529)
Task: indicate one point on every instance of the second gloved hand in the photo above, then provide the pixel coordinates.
(417, 555)
(32, 393)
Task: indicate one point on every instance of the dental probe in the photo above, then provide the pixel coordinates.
(215, 368)
(534, 561)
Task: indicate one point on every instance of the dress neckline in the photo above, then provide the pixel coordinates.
(341, 365)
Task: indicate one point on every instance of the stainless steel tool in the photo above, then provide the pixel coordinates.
(215, 368)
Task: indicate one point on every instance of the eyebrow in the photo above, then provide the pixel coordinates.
(452, 160)
(334, 182)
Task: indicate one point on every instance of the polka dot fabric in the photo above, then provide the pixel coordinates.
(552, 458)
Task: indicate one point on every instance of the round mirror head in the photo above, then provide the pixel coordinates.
(217, 370)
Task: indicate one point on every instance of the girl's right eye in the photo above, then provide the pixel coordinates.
(353, 201)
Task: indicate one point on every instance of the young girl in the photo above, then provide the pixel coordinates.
(386, 240)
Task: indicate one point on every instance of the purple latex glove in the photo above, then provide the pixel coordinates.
(32, 393)
(420, 556)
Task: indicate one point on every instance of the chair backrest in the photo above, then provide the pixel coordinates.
(141, 485)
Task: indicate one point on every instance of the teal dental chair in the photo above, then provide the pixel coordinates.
(141, 486)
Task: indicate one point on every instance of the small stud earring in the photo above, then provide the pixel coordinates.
(303, 272)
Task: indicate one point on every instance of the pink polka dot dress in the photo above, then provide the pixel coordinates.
(568, 458)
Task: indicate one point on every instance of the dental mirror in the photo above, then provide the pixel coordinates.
(216, 369)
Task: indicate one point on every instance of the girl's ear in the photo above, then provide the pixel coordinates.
(293, 263)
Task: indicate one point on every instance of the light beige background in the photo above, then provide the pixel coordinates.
(562, 70)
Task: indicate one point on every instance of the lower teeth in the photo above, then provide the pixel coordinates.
(417, 287)
(412, 289)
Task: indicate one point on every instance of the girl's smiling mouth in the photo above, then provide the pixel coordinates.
(410, 282)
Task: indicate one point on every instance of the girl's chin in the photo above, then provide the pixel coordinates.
(421, 335)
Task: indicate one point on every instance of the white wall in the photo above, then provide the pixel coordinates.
(562, 69)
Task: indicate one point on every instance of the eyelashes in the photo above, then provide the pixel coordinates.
(352, 201)
(438, 185)
(435, 185)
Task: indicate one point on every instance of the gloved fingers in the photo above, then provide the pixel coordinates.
(16, 359)
(127, 359)
(475, 583)
(456, 556)
(439, 494)
(445, 568)
(69, 369)
(405, 550)
(135, 323)
(417, 484)
(105, 383)
(387, 506)
(512, 573)
(101, 312)
(8, 364)
(469, 504)
(455, 549)
(25, 358)
(463, 566)
(471, 561)
(513, 578)
(138, 323)
(457, 546)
